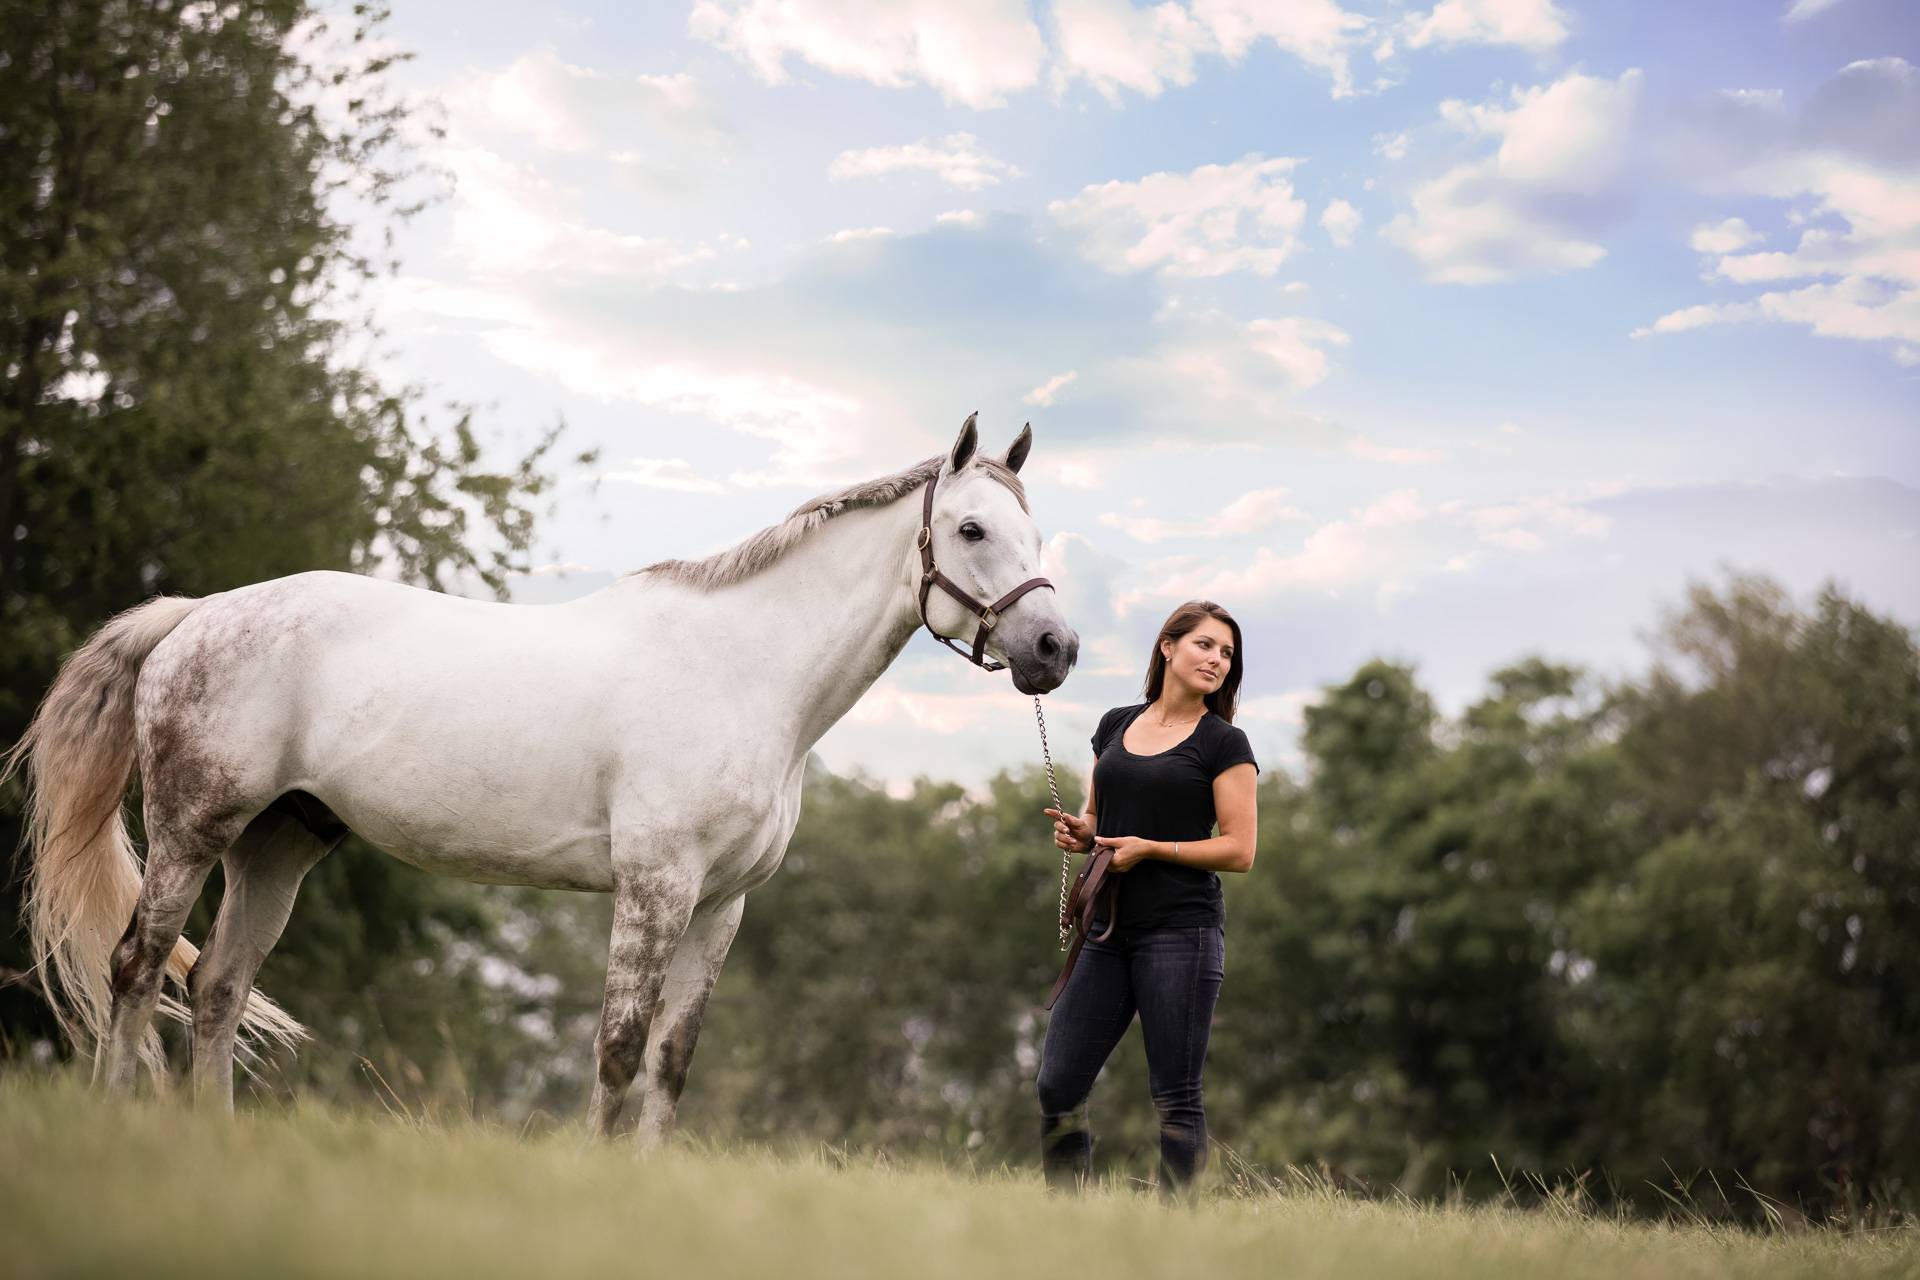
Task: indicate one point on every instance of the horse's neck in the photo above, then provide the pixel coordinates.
(818, 626)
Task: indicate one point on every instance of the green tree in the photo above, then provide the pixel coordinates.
(181, 411)
(1365, 735)
(1754, 1003)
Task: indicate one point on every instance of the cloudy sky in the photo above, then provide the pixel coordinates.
(1448, 332)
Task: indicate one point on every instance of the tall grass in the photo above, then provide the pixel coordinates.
(89, 1186)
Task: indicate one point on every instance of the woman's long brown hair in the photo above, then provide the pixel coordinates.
(1182, 620)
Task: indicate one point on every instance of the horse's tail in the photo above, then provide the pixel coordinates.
(83, 878)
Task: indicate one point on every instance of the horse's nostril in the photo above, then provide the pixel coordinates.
(1049, 644)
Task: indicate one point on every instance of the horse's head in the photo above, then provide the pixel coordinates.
(982, 540)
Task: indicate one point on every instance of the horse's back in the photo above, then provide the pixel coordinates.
(464, 735)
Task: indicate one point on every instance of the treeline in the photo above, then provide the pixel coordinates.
(1654, 929)
(1666, 926)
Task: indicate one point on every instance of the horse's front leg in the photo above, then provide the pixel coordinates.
(683, 1004)
(655, 885)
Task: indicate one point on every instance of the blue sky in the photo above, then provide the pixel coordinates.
(1446, 331)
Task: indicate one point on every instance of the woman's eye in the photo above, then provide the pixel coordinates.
(972, 532)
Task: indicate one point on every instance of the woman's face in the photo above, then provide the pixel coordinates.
(1201, 659)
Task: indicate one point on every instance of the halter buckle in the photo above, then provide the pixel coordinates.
(987, 618)
(926, 536)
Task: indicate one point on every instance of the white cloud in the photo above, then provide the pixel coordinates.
(509, 221)
(845, 234)
(1341, 221)
(814, 429)
(1564, 149)
(1297, 344)
(974, 54)
(1855, 308)
(663, 473)
(1694, 317)
(1084, 576)
(1044, 393)
(1391, 146)
(1804, 9)
(1212, 221)
(1850, 153)
(958, 217)
(1531, 24)
(1338, 553)
(1516, 524)
(1383, 547)
(956, 160)
(1069, 470)
(662, 134)
(1722, 237)
(1116, 46)
(1372, 451)
(1570, 136)
(1248, 513)
(807, 424)
(1211, 380)
(568, 108)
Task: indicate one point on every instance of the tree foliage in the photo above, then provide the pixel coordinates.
(182, 409)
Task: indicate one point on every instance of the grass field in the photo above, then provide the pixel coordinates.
(89, 1188)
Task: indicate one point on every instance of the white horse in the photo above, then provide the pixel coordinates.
(646, 741)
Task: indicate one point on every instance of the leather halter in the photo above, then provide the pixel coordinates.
(988, 615)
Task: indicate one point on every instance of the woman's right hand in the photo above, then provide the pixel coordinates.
(1071, 833)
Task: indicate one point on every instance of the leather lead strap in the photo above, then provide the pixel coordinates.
(1091, 891)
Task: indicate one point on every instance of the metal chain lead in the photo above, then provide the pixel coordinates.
(1066, 855)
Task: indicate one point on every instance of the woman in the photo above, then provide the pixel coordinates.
(1164, 772)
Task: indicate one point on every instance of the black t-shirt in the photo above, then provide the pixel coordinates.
(1168, 796)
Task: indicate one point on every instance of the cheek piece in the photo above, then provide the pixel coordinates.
(988, 615)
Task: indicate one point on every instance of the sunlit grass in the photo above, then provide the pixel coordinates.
(88, 1186)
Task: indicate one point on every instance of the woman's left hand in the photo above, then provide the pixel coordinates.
(1127, 850)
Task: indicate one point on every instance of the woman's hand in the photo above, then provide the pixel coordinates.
(1070, 833)
(1127, 850)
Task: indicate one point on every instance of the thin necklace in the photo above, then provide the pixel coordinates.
(1168, 724)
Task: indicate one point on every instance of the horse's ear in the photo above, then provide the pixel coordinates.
(963, 447)
(1021, 446)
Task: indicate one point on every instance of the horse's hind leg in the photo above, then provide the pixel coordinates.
(178, 860)
(264, 869)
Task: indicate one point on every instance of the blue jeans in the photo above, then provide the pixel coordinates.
(1172, 978)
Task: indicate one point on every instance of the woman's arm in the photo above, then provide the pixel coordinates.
(1235, 806)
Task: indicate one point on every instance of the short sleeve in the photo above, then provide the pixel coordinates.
(1230, 747)
(1105, 729)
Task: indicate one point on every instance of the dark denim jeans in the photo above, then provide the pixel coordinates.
(1172, 978)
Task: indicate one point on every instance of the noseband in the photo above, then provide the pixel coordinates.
(987, 615)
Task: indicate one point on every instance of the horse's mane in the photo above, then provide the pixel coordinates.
(752, 554)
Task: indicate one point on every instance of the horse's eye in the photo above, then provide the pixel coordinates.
(972, 532)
